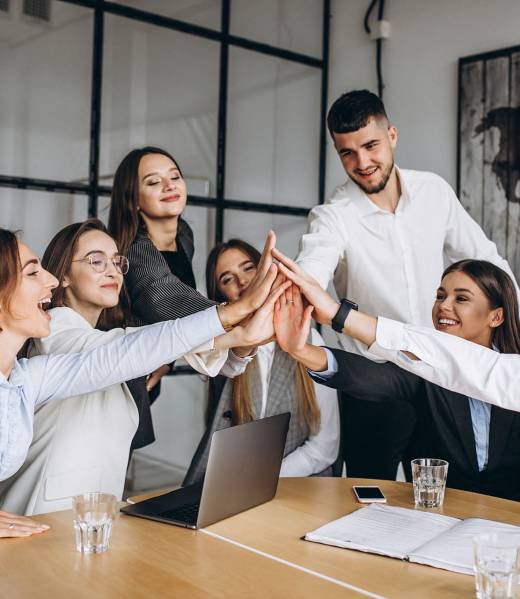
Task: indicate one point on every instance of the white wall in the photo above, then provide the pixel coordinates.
(420, 69)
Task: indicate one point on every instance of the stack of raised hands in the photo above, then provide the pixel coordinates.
(287, 299)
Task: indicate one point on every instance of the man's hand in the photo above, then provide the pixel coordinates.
(12, 525)
(292, 321)
(325, 307)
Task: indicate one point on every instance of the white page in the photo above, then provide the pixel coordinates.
(453, 550)
(392, 531)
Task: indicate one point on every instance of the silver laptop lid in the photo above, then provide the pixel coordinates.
(243, 467)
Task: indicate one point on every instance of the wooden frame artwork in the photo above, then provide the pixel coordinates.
(489, 146)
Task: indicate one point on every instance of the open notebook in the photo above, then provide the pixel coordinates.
(407, 534)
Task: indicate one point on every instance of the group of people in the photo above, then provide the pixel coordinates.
(124, 305)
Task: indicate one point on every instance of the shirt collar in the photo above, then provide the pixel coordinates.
(366, 207)
(67, 315)
(16, 378)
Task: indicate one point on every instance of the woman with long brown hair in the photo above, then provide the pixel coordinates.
(149, 196)
(272, 383)
(452, 372)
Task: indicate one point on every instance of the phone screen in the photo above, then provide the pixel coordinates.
(369, 493)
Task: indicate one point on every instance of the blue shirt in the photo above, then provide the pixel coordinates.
(480, 419)
(45, 378)
(480, 413)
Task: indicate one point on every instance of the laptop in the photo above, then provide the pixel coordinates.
(243, 468)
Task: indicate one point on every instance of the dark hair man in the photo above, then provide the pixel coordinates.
(384, 238)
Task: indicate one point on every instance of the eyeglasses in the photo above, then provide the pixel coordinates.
(99, 262)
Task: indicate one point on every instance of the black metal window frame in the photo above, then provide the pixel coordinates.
(93, 190)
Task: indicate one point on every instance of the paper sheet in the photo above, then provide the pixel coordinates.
(454, 550)
(383, 529)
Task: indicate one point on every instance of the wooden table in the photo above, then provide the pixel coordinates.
(255, 554)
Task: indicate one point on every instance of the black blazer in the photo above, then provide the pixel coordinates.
(444, 428)
(156, 294)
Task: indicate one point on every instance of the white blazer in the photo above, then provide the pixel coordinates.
(80, 444)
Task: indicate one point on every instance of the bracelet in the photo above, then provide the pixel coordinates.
(226, 326)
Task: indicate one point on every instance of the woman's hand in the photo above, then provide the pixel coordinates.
(156, 376)
(292, 321)
(12, 525)
(259, 329)
(325, 307)
(257, 292)
(292, 324)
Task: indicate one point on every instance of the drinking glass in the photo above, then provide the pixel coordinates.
(497, 565)
(429, 481)
(94, 514)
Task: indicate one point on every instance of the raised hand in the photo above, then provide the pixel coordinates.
(259, 328)
(12, 525)
(325, 307)
(292, 321)
(257, 292)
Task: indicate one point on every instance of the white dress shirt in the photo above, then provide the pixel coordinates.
(451, 362)
(391, 264)
(320, 450)
(44, 378)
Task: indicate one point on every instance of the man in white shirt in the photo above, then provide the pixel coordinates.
(384, 238)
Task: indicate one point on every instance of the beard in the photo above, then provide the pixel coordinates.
(380, 185)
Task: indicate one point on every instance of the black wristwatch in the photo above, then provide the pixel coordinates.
(345, 306)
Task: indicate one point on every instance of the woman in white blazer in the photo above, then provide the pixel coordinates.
(82, 444)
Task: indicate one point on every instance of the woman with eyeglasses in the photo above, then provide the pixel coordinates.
(82, 443)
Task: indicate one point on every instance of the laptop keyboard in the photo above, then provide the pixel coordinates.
(184, 513)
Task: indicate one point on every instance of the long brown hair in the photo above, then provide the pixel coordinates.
(500, 292)
(10, 267)
(308, 411)
(124, 219)
(57, 259)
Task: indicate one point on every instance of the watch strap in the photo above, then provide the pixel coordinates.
(345, 306)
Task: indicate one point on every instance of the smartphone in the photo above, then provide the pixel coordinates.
(369, 494)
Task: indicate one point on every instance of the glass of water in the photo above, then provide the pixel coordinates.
(94, 514)
(497, 565)
(429, 481)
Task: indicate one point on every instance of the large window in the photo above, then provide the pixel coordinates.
(234, 89)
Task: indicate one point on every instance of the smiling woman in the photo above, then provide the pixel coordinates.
(450, 378)
(148, 197)
(27, 384)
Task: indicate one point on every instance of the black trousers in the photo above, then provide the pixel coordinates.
(375, 436)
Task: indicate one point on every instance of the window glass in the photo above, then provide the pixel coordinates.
(39, 215)
(160, 88)
(45, 94)
(272, 151)
(253, 227)
(290, 24)
(206, 13)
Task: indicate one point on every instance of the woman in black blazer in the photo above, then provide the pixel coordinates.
(148, 197)
(451, 382)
